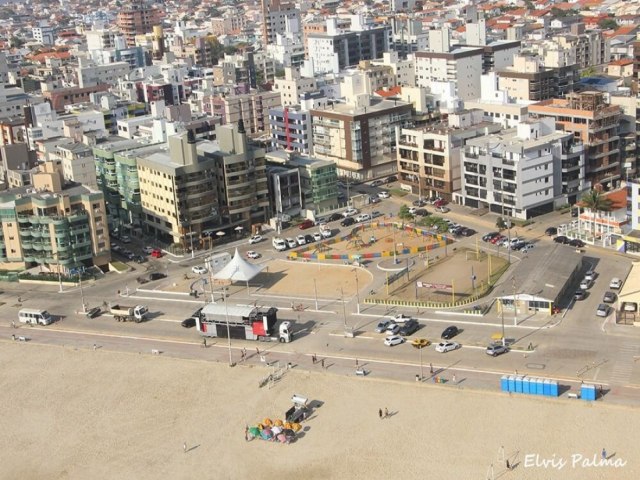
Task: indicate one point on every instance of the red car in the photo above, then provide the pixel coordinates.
(497, 239)
(440, 203)
(156, 253)
(306, 224)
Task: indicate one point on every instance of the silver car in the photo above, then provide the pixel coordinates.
(382, 326)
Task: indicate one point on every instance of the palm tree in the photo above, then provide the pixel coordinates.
(596, 202)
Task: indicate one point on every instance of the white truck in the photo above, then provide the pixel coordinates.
(325, 230)
(123, 313)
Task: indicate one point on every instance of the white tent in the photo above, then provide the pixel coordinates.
(238, 270)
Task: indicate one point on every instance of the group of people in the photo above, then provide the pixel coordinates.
(380, 414)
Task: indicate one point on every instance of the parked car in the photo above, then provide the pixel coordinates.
(444, 347)
(317, 236)
(440, 203)
(253, 254)
(561, 239)
(156, 253)
(301, 240)
(401, 318)
(146, 250)
(586, 284)
(382, 326)
(609, 297)
(383, 194)
(576, 242)
(450, 332)
(496, 349)
(255, 239)
(580, 295)
(125, 239)
(334, 216)
(291, 243)
(422, 212)
(363, 217)
(615, 283)
(199, 269)
(189, 322)
(376, 183)
(467, 232)
(421, 202)
(347, 222)
(391, 179)
(442, 209)
(350, 212)
(93, 312)
(551, 231)
(590, 275)
(374, 199)
(393, 328)
(393, 340)
(308, 238)
(156, 276)
(603, 310)
(376, 214)
(409, 327)
(306, 224)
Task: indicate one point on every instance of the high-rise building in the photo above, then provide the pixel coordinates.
(274, 17)
(137, 18)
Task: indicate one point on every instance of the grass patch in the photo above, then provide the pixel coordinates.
(119, 266)
(398, 192)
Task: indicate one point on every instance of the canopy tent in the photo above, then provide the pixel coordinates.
(238, 270)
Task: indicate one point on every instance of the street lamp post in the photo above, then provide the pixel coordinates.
(84, 306)
(357, 292)
(502, 315)
(344, 308)
(191, 236)
(315, 291)
(395, 258)
(226, 314)
(57, 254)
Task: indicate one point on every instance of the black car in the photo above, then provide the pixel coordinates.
(576, 242)
(189, 322)
(609, 297)
(409, 327)
(421, 212)
(420, 203)
(309, 238)
(391, 179)
(93, 312)
(490, 236)
(156, 276)
(518, 246)
(561, 239)
(551, 231)
(575, 212)
(450, 332)
(334, 216)
(467, 232)
(348, 221)
(373, 199)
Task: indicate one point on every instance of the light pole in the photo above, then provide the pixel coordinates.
(515, 304)
(502, 314)
(84, 307)
(315, 290)
(226, 314)
(57, 254)
(344, 309)
(357, 292)
(395, 258)
(191, 236)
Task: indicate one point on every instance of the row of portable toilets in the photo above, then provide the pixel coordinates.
(540, 386)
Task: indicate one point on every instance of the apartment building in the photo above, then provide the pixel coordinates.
(429, 157)
(359, 137)
(407, 36)
(232, 22)
(529, 81)
(109, 74)
(290, 129)
(137, 17)
(514, 172)
(77, 164)
(44, 34)
(461, 66)
(293, 85)
(241, 172)
(13, 99)
(49, 223)
(275, 14)
(497, 105)
(595, 122)
(252, 108)
(337, 49)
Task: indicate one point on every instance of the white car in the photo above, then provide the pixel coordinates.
(615, 283)
(350, 212)
(317, 236)
(585, 284)
(393, 340)
(199, 269)
(147, 250)
(443, 347)
(255, 239)
(413, 210)
(301, 240)
(392, 328)
(253, 254)
(279, 244)
(363, 217)
(401, 318)
(291, 243)
(326, 233)
(383, 194)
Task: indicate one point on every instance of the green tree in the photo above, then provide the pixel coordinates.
(501, 224)
(608, 24)
(404, 213)
(588, 72)
(597, 203)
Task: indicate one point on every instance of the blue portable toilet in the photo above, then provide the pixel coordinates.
(547, 387)
(539, 386)
(588, 392)
(504, 383)
(554, 388)
(526, 381)
(512, 383)
(519, 384)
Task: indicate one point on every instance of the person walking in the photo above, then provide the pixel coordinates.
(454, 378)
(604, 454)
(356, 363)
(431, 369)
(94, 347)
(184, 447)
(322, 362)
(204, 342)
(246, 433)
(380, 413)
(508, 464)
(257, 351)
(386, 413)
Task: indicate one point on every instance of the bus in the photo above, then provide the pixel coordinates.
(34, 316)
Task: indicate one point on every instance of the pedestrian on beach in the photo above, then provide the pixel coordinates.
(257, 350)
(508, 465)
(380, 413)
(356, 363)
(604, 454)
(246, 433)
(184, 447)
(94, 347)
(322, 361)
(386, 413)
(244, 352)
(313, 358)
(13, 324)
(431, 369)
(204, 342)
(454, 378)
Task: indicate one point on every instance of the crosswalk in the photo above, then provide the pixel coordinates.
(621, 374)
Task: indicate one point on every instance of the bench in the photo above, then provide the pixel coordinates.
(572, 395)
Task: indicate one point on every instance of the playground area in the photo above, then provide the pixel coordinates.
(374, 240)
(461, 275)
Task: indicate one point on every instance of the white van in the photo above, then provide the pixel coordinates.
(34, 316)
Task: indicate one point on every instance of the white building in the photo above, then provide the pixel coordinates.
(292, 85)
(497, 106)
(110, 74)
(44, 34)
(78, 163)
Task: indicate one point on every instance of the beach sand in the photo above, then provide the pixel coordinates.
(79, 414)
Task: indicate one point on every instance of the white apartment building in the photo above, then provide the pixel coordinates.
(292, 85)
(44, 34)
(78, 164)
(497, 105)
(462, 66)
(101, 39)
(403, 70)
(517, 172)
(12, 100)
(110, 74)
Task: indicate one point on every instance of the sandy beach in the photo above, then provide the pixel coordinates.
(78, 414)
